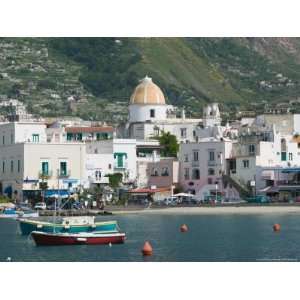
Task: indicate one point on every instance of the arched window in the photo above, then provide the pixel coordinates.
(196, 174)
(211, 171)
(165, 171)
(283, 145)
(154, 172)
(283, 149)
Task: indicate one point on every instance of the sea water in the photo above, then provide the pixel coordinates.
(209, 238)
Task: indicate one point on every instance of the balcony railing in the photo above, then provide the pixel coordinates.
(124, 166)
(211, 163)
(64, 173)
(288, 182)
(45, 175)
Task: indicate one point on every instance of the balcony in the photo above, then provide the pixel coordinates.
(64, 173)
(121, 167)
(45, 175)
(211, 163)
(195, 163)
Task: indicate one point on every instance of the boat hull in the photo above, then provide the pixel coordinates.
(27, 226)
(59, 239)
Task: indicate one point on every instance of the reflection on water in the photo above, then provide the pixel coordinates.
(210, 238)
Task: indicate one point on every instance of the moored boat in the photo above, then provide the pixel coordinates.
(67, 225)
(12, 213)
(82, 238)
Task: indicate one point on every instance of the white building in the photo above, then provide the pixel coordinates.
(149, 115)
(99, 161)
(202, 167)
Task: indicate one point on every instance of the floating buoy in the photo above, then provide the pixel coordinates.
(109, 244)
(276, 227)
(147, 249)
(184, 228)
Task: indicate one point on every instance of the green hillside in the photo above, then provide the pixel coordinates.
(94, 77)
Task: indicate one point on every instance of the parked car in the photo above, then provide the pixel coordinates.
(170, 201)
(40, 206)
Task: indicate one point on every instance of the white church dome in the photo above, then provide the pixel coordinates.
(147, 92)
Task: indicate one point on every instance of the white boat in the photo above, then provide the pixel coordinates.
(12, 213)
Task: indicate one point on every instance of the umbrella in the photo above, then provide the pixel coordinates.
(183, 195)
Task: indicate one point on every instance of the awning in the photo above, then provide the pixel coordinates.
(70, 180)
(291, 170)
(183, 195)
(270, 189)
(57, 193)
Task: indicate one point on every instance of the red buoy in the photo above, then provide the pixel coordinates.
(184, 228)
(147, 249)
(276, 227)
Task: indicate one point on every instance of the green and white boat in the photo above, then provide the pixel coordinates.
(67, 224)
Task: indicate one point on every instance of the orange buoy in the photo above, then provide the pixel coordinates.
(276, 227)
(184, 228)
(147, 249)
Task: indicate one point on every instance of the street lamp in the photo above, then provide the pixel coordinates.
(216, 191)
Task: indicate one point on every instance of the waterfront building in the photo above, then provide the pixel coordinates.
(99, 162)
(262, 148)
(26, 166)
(203, 167)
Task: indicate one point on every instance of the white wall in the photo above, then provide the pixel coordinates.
(141, 113)
(127, 146)
(19, 132)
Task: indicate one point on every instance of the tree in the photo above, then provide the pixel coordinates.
(169, 144)
(115, 179)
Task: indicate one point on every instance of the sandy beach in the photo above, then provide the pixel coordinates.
(240, 210)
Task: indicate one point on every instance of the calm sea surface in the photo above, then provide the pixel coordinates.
(210, 238)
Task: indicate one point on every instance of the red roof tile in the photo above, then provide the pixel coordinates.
(89, 129)
(148, 190)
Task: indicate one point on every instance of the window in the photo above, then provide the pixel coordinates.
(246, 163)
(19, 166)
(283, 156)
(251, 149)
(109, 166)
(45, 168)
(156, 131)
(154, 172)
(152, 113)
(165, 171)
(211, 171)
(3, 167)
(78, 137)
(196, 155)
(196, 174)
(35, 138)
(194, 133)
(186, 173)
(290, 156)
(3, 140)
(183, 132)
(209, 181)
(69, 136)
(11, 166)
(211, 155)
(63, 168)
(186, 157)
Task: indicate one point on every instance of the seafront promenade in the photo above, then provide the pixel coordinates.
(274, 208)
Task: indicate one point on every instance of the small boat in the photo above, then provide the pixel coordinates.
(67, 225)
(83, 238)
(12, 213)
